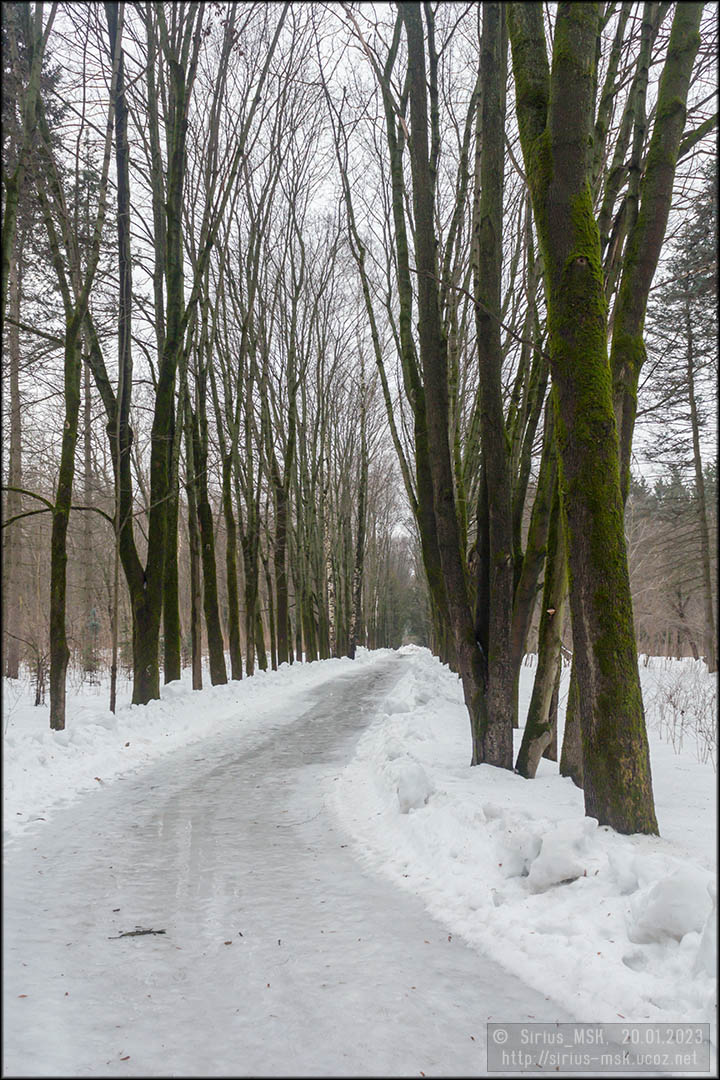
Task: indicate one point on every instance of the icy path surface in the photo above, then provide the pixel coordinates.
(281, 955)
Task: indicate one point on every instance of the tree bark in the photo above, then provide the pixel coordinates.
(59, 651)
(541, 723)
(216, 648)
(555, 114)
(491, 742)
(495, 445)
(571, 757)
(172, 634)
(231, 571)
(194, 546)
(12, 596)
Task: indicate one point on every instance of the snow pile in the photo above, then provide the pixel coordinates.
(678, 904)
(43, 768)
(412, 785)
(563, 854)
(611, 926)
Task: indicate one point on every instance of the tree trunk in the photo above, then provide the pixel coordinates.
(555, 114)
(541, 722)
(249, 548)
(329, 579)
(59, 652)
(487, 285)
(12, 595)
(194, 546)
(90, 629)
(701, 504)
(231, 572)
(356, 636)
(491, 743)
(551, 750)
(571, 758)
(526, 589)
(260, 638)
(281, 579)
(172, 635)
(216, 648)
(271, 615)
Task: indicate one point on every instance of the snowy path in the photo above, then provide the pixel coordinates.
(281, 956)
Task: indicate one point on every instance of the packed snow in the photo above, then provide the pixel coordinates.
(603, 925)
(44, 769)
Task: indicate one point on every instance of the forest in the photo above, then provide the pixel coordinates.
(342, 325)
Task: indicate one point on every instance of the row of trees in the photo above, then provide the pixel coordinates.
(263, 361)
(340, 246)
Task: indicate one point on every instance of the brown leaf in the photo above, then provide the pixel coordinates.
(227, 942)
(22, 995)
(126, 1058)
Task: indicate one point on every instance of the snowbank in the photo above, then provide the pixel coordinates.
(608, 925)
(44, 768)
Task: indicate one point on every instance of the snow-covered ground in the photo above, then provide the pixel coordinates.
(605, 926)
(612, 926)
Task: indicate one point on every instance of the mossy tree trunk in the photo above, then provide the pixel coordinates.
(555, 115)
(571, 756)
(541, 724)
(533, 558)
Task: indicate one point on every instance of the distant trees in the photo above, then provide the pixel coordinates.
(667, 568)
(677, 395)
